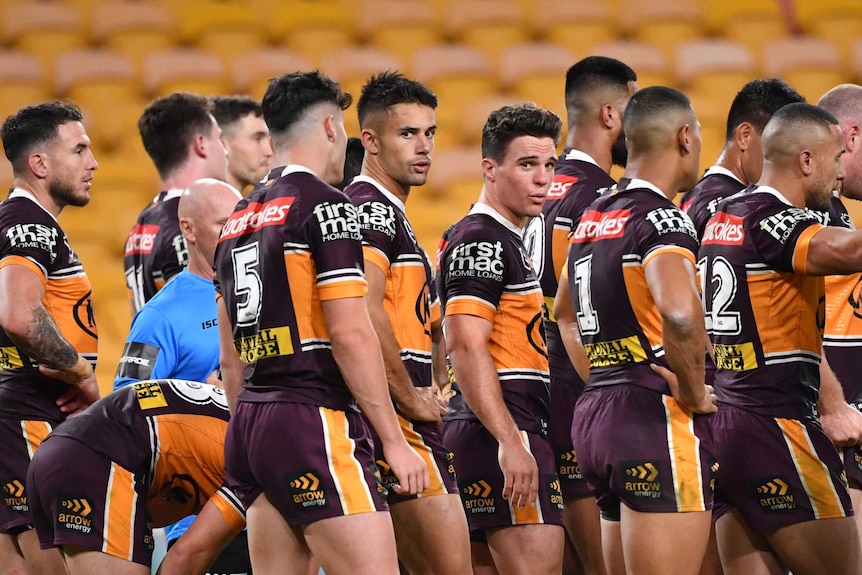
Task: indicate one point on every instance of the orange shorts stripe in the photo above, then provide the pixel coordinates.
(685, 457)
(531, 514)
(415, 440)
(119, 513)
(35, 433)
(812, 471)
(346, 470)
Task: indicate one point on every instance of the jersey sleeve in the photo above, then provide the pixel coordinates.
(667, 229)
(33, 240)
(783, 237)
(377, 224)
(151, 349)
(472, 277)
(228, 504)
(332, 228)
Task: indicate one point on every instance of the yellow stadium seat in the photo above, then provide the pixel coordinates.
(311, 28)
(663, 23)
(650, 64)
(6, 175)
(537, 73)
(490, 26)
(184, 69)
(457, 74)
(134, 28)
(22, 82)
(577, 26)
(105, 85)
(476, 112)
(223, 28)
(749, 22)
(837, 21)
(810, 65)
(711, 72)
(352, 67)
(252, 71)
(399, 27)
(43, 29)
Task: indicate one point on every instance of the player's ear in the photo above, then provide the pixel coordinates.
(806, 162)
(37, 162)
(609, 116)
(369, 140)
(851, 137)
(199, 145)
(329, 127)
(187, 230)
(684, 139)
(489, 167)
(743, 135)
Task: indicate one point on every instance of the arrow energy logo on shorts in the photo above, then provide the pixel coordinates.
(306, 490)
(13, 496)
(477, 499)
(74, 514)
(775, 495)
(568, 466)
(642, 479)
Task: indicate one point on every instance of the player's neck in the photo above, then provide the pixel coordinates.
(199, 266)
(184, 177)
(731, 160)
(787, 187)
(310, 157)
(595, 145)
(235, 182)
(40, 193)
(374, 170)
(655, 169)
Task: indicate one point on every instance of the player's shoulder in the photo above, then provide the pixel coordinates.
(19, 209)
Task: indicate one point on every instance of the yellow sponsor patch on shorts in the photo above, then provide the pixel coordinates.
(272, 342)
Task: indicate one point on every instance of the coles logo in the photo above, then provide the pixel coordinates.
(560, 186)
(596, 225)
(141, 239)
(256, 216)
(724, 230)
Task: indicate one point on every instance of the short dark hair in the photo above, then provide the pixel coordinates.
(34, 125)
(595, 72)
(168, 126)
(353, 158)
(646, 115)
(288, 97)
(229, 109)
(757, 102)
(510, 122)
(800, 113)
(388, 89)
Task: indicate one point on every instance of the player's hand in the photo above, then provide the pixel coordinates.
(424, 407)
(843, 426)
(408, 467)
(445, 393)
(520, 473)
(83, 390)
(701, 401)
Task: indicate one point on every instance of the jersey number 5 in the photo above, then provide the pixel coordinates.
(247, 286)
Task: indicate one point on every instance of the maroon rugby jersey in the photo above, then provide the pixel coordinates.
(292, 243)
(388, 242)
(170, 433)
(701, 202)
(764, 314)
(609, 250)
(31, 237)
(842, 337)
(578, 181)
(156, 250)
(484, 271)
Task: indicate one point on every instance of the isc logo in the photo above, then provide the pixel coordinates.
(560, 186)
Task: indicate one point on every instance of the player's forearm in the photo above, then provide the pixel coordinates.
(38, 336)
(831, 393)
(571, 337)
(477, 379)
(683, 335)
(398, 380)
(232, 367)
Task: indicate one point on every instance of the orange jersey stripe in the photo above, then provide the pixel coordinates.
(795, 327)
(670, 250)
(466, 305)
(685, 457)
(812, 471)
(345, 468)
(119, 513)
(642, 304)
(35, 433)
(375, 257)
(306, 302)
(800, 252)
(229, 512)
(22, 261)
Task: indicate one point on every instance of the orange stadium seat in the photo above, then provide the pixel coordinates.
(490, 26)
(105, 85)
(184, 69)
(43, 29)
(577, 26)
(457, 74)
(475, 114)
(663, 23)
(711, 72)
(837, 21)
(749, 22)
(134, 28)
(352, 67)
(311, 28)
(810, 65)
(22, 82)
(252, 71)
(399, 27)
(537, 73)
(223, 28)
(646, 60)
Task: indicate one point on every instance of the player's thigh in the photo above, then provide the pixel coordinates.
(743, 551)
(651, 541)
(583, 525)
(426, 527)
(819, 546)
(87, 562)
(274, 545)
(527, 549)
(612, 546)
(11, 560)
(359, 544)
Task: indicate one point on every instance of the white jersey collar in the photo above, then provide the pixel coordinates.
(480, 208)
(389, 195)
(22, 193)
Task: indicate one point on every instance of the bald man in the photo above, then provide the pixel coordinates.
(628, 293)
(781, 502)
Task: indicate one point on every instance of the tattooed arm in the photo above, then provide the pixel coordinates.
(31, 329)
